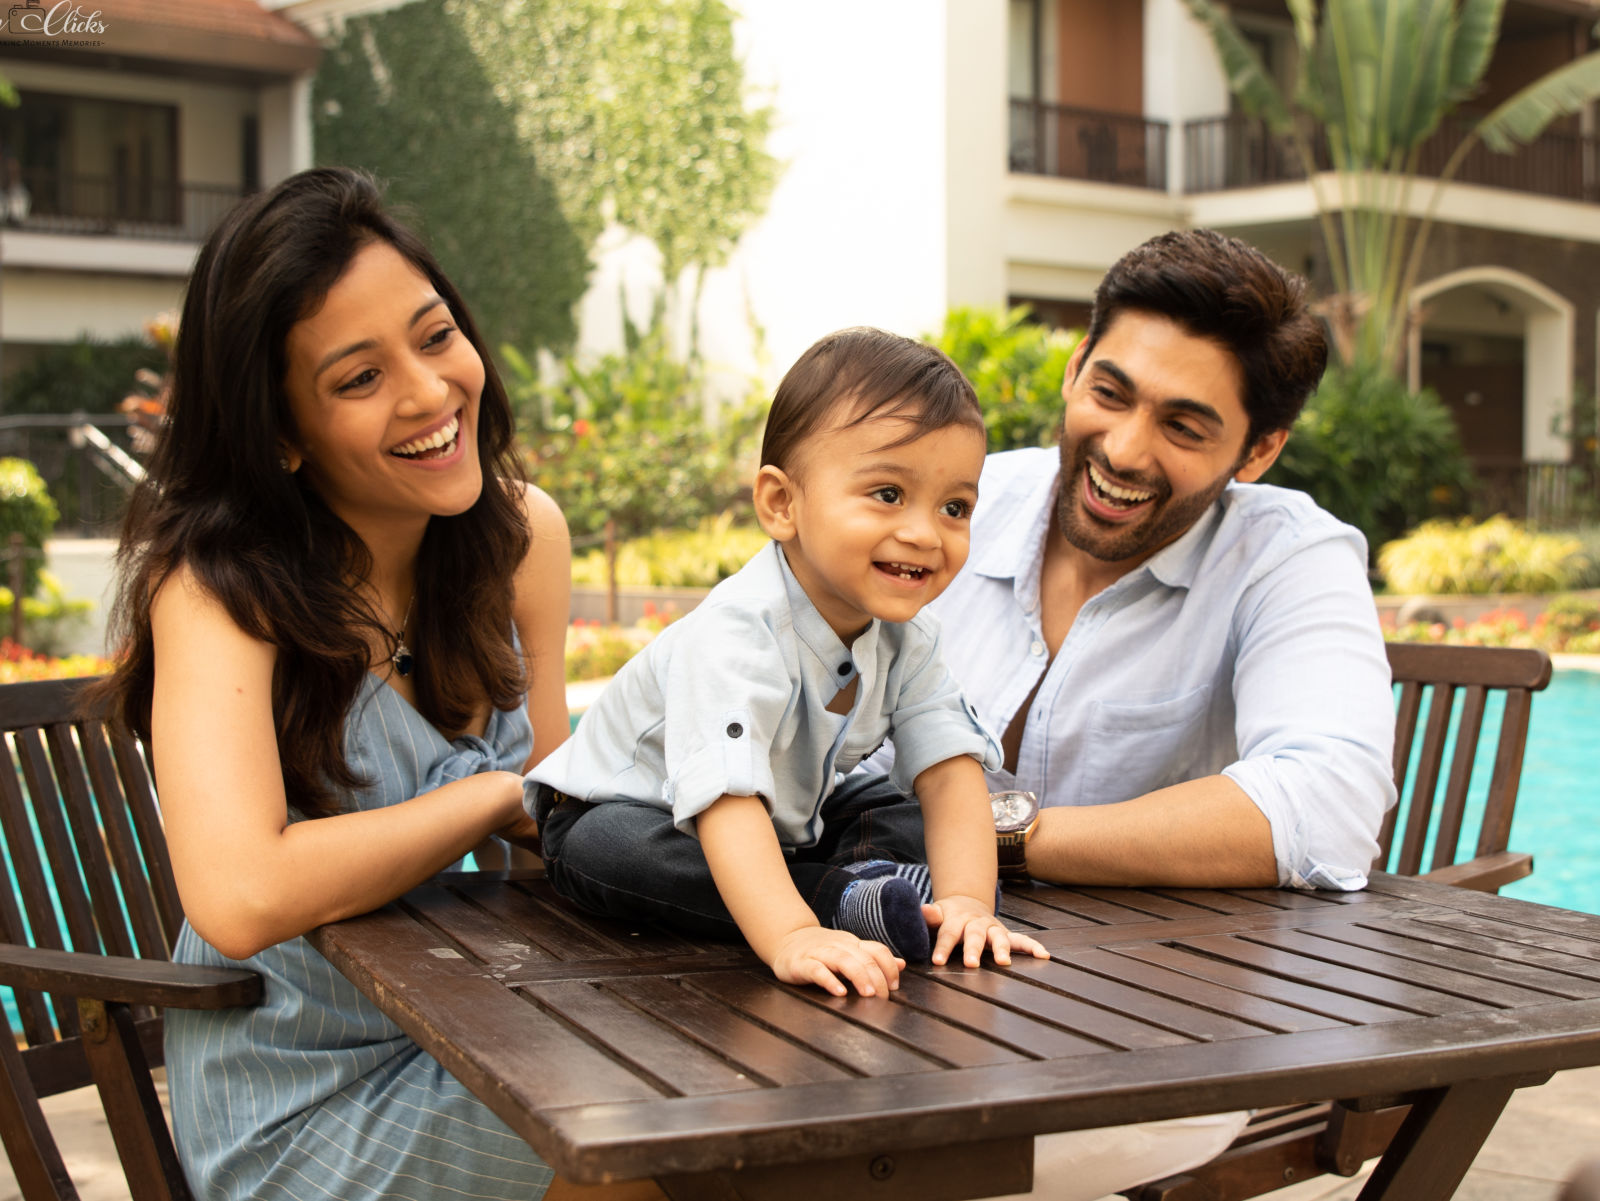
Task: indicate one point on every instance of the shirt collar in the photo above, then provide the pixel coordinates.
(1018, 547)
(1178, 563)
(812, 628)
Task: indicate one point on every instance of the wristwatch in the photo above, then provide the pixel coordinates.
(1016, 816)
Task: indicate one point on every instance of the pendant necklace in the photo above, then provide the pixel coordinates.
(402, 658)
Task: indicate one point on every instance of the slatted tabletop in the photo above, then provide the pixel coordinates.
(622, 1052)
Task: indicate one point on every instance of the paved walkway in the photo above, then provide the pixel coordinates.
(1543, 1136)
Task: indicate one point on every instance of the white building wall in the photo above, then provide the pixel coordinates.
(48, 306)
(1183, 80)
(977, 122)
(856, 229)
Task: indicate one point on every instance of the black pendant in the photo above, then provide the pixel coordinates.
(402, 660)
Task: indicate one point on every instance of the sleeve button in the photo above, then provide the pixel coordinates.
(735, 730)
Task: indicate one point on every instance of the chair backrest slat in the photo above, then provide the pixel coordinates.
(125, 853)
(49, 812)
(1507, 778)
(89, 839)
(1434, 674)
(134, 771)
(1437, 729)
(31, 1005)
(1454, 809)
(1406, 716)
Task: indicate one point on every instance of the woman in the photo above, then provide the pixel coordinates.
(343, 617)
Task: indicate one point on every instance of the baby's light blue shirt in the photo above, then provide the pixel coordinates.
(732, 699)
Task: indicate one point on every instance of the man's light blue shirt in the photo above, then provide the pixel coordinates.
(1249, 647)
(733, 699)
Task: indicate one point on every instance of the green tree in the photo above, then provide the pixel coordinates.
(1376, 77)
(537, 111)
(450, 153)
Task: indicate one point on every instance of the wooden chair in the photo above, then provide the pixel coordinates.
(1286, 1145)
(87, 855)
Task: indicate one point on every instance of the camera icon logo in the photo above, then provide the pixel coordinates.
(27, 18)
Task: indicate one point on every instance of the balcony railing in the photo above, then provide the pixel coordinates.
(1241, 152)
(1546, 493)
(1081, 143)
(57, 202)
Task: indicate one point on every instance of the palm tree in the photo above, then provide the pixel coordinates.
(1377, 77)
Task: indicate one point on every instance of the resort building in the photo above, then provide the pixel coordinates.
(140, 122)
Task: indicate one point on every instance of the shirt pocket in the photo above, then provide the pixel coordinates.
(1132, 749)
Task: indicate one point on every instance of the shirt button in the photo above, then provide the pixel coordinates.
(735, 730)
(844, 669)
(1036, 649)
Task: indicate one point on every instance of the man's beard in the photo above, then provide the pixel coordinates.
(1167, 520)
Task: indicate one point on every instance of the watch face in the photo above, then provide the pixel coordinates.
(1013, 810)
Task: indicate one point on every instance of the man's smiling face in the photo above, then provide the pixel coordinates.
(1155, 426)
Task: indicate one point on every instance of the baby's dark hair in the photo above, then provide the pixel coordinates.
(878, 374)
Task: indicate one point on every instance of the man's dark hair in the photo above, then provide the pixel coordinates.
(1218, 287)
(879, 374)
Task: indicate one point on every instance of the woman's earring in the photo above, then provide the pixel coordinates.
(283, 462)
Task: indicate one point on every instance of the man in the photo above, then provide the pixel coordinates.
(1186, 665)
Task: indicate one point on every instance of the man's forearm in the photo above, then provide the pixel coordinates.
(1203, 834)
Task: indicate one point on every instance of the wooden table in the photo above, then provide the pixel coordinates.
(621, 1053)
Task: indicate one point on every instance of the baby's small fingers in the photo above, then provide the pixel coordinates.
(976, 938)
(1000, 943)
(864, 972)
(817, 973)
(949, 935)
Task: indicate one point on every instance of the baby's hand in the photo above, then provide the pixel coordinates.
(971, 924)
(811, 955)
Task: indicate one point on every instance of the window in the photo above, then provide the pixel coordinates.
(91, 162)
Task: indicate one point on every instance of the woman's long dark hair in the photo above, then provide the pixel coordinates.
(217, 500)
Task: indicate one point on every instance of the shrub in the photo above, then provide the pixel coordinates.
(1498, 555)
(696, 558)
(629, 438)
(595, 651)
(1017, 367)
(49, 617)
(19, 663)
(27, 509)
(83, 376)
(1375, 454)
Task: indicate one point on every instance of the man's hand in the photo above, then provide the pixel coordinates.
(813, 955)
(970, 923)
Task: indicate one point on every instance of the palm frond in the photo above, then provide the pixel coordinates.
(1477, 29)
(1256, 91)
(1524, 117)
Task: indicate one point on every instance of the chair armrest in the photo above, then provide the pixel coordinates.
(1487, 873)
(131, 981)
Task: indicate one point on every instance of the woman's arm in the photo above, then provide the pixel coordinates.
(247, 876)
(541, 611)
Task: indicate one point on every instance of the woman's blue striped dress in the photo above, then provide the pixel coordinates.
(314, 1094)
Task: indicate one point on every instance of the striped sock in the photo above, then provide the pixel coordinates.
(889, 910)
(917, 874)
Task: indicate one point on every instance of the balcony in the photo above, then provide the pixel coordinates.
(1222, 153)
(61, 203)
(1080, 143)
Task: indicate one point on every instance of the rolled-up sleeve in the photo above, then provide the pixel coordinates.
(1315, 714)
(932, 721)
(729, 689)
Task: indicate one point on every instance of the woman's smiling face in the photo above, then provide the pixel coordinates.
(383, 390)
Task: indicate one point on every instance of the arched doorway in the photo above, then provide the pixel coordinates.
(1497, 346)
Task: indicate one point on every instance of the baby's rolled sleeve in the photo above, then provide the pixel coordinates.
(932, 720)
(726, 689)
